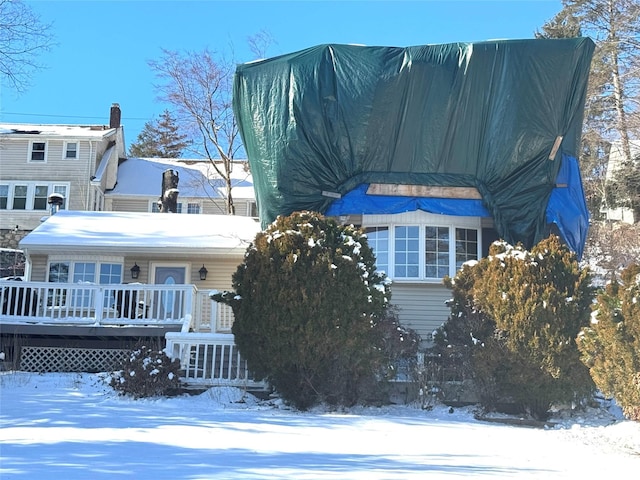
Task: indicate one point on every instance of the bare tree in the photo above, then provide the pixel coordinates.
(23, 37)
(199, 85)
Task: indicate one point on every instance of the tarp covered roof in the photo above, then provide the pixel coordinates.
(319, 123)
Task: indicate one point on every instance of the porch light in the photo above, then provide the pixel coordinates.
(203, 272)
(135, 271)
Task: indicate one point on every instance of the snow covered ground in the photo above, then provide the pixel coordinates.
(72, 426)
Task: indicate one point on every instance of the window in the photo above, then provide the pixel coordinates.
(38, 151)
(4, 197)
(466, 245)
(423, 251)
(110, 273)
(378, 239)
(83, 272)
(30, 196)
(156, 209)
(104, 273)
(41, 192)
(407, 251)
(59, 272)
(71, 150)
(20, 197)
(436, 252)
(193, 208)
(62, 190)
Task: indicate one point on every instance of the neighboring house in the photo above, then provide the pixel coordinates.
(435, 150)
(79, 163)
(614, 165)
(103, 280)
(201, 189)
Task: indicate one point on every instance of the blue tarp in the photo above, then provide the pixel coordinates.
(566, 208)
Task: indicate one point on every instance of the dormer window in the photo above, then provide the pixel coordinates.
(71, 150)
(38, 152)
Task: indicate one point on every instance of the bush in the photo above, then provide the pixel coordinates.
(147, 373)
(306, 303)
(610, 346)
(514, 319)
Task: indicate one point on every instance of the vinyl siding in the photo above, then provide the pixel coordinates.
(421, 306)
(15, 166)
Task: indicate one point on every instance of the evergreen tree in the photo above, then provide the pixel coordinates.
(515, 316)
(611, 112)
(307, 304)
(159, 139)
(610, 346)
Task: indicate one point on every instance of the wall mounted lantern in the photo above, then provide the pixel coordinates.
(135, 271)
(203, 272)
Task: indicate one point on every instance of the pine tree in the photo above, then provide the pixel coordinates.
(159, 139)
(610, 346)
(515, 317)
(307, 300)
(611, 112)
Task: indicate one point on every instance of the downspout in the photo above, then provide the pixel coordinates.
(87, 199)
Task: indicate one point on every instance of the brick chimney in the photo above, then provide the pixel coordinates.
(114, 117)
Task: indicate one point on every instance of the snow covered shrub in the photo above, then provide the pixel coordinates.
(514, 319)
(610, 346)
(147, 373)
(306, 303)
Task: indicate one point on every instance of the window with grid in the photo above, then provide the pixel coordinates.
(436, 250)
(155, 208)
(378, 239)
(58, 273)
(466, 245)
(83, 272)
(38, 151)
(407, 252)
(193, 208)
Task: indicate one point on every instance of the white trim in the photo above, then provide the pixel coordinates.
(31, 191)
(421, 220)
(65, 150)
(46, 151)
(154, 265)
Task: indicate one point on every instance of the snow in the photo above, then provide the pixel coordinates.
(93, 231)
(73, 426)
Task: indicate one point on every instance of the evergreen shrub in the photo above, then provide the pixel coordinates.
(514, 319)
(610, 346)
(307, 301)
(147, 373)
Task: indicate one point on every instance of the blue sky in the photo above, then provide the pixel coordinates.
(103, 46)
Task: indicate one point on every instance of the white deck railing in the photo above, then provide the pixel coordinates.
(210, 359)
(99, 305)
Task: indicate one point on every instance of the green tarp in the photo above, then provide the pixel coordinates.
(320, 122)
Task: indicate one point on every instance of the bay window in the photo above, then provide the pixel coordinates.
(424, 251)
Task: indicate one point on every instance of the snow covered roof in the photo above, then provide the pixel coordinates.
(67, 131)
(125, 232)
(197, 178)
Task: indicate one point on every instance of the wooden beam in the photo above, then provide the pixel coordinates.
(427, 191)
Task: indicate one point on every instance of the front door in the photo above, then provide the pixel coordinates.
(171, 303)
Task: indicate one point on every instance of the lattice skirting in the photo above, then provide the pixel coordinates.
(66, 359)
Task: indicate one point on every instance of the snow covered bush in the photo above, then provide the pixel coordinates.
(147, 373)
(610, 346)
(307, 299)
(514, 319)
